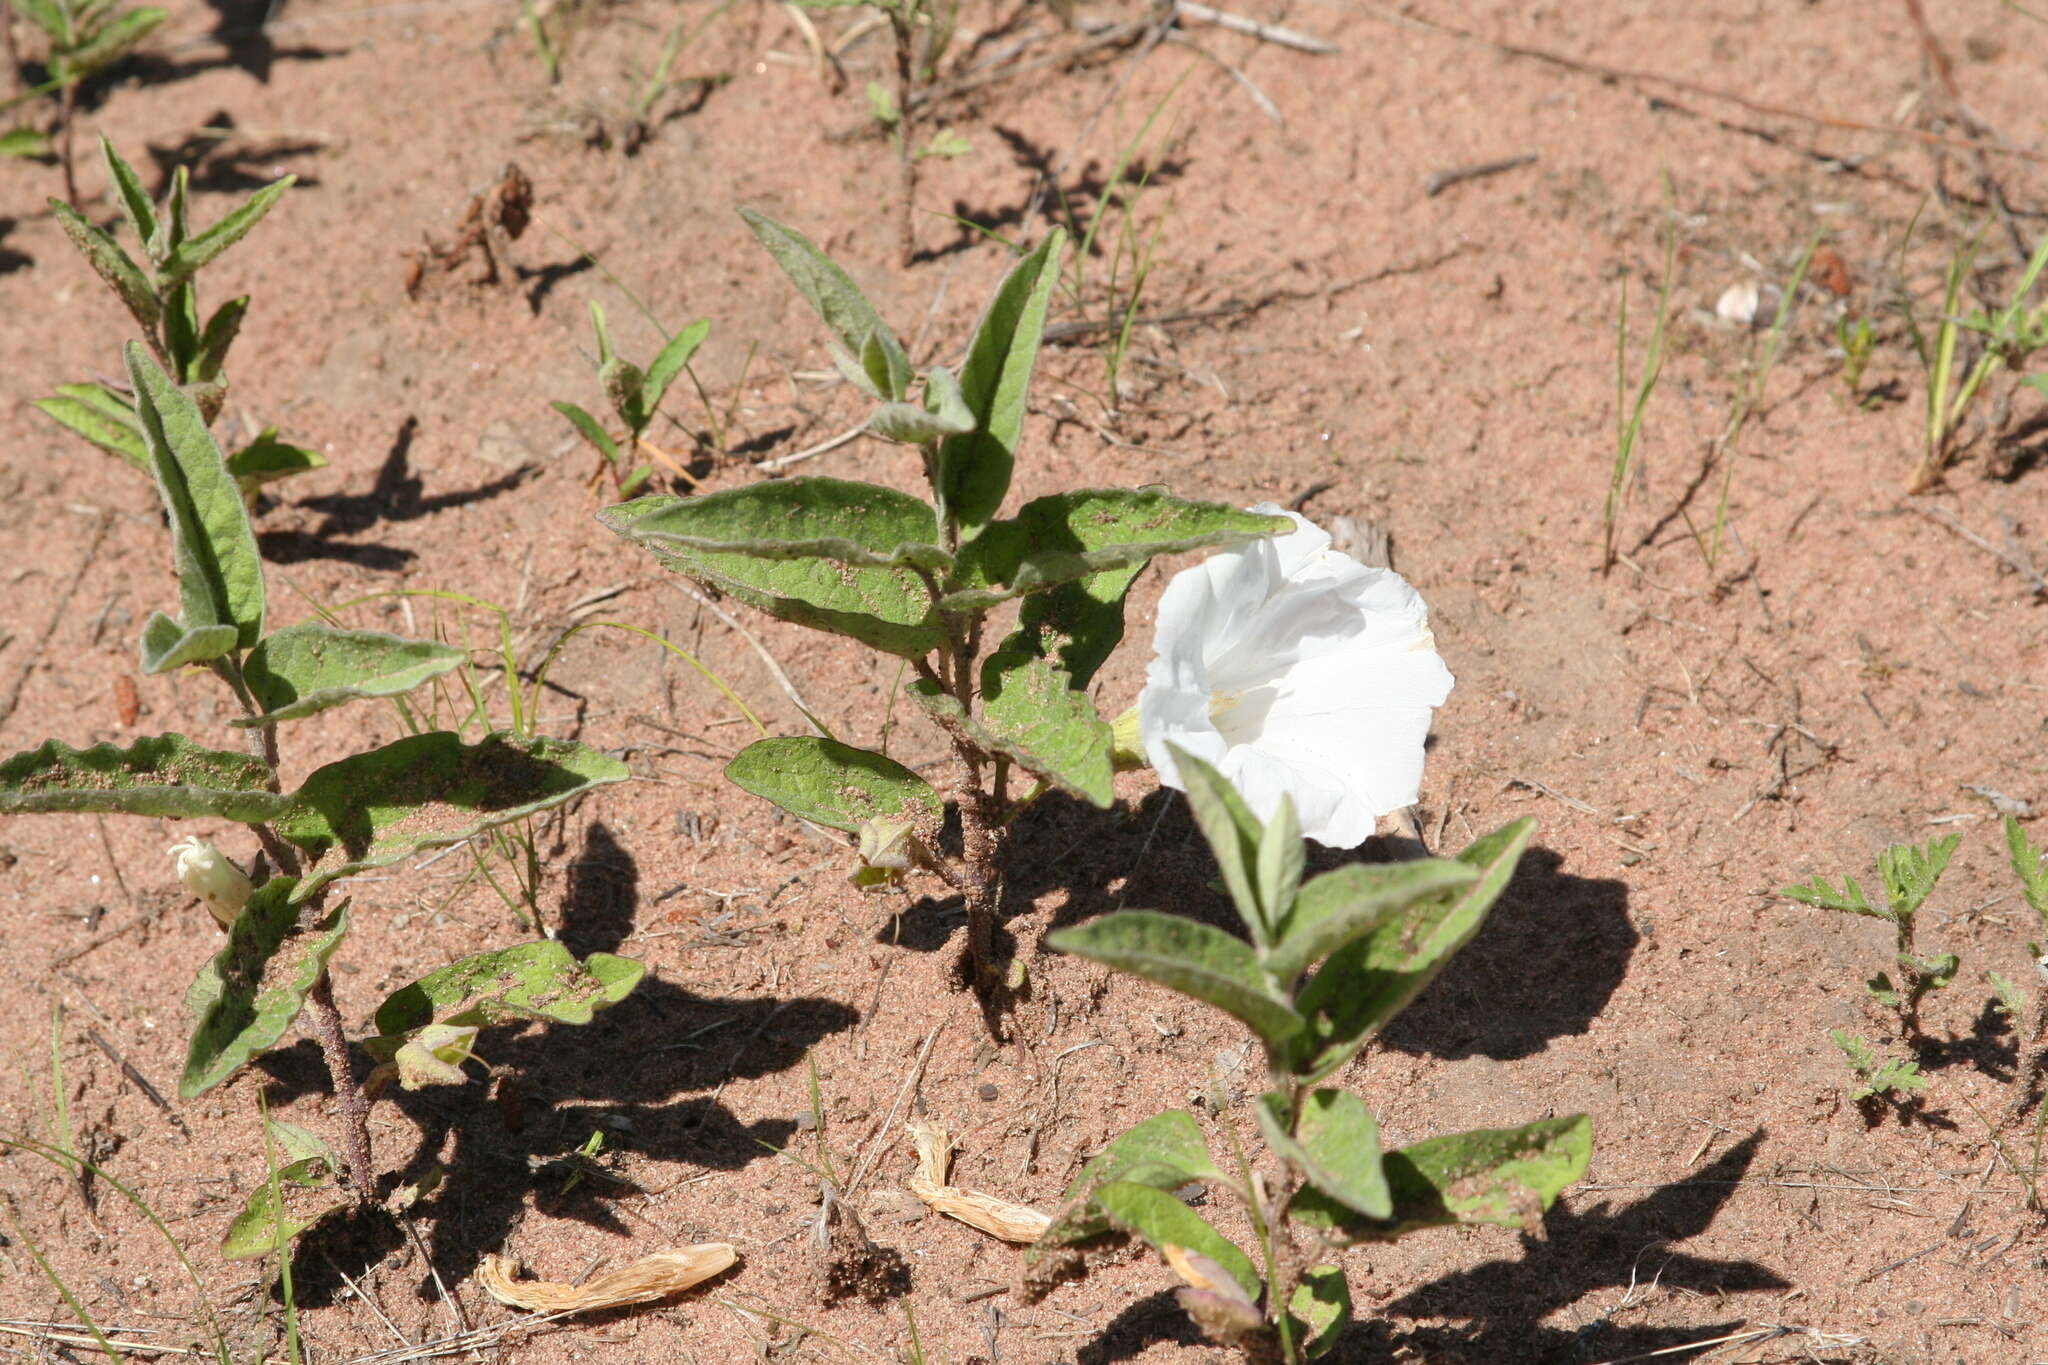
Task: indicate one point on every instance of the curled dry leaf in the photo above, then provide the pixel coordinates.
(649, 1278)
(997, 1217)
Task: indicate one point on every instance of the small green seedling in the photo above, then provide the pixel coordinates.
(365, 810)
(164, 301)
(2006, 341)
(1628, 417)
(83, 38)
(2030, 865)
(1908, 875)
(1858, 342)
(1328, 963)
(922, 580)
(635, 395)
(1877, 1077)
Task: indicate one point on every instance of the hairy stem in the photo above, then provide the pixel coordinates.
(70, 103)
(901, 22)
(348, 1090)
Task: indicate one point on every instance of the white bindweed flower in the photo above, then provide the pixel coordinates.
(209, 874)
(1296, 671)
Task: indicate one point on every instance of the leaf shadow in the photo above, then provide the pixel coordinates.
(1081, 199)
(1155, 1320)
(219, 158)
(10, 259)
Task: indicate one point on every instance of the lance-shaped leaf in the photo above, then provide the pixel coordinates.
(426, 791)
(832, 784)
(1372, 979)
(251, 991)
(591, 430)
(1334, 1142)
(267, 459)
(220, 577)
(210, 353)
(1165, 1152)
(304, 669)
(1321, 1308)
(540, 980)
(201, 247)
(110, 263)
(273, 1216)
(1190, 957)
(1503, 1176)
(112, 41)
(135, 204)
(856, 325)
(670, 362)
(1067, 536)
(167, 776)
(1164, 1221)
(1033, 714)
(974, 469)
(1335, 908)
(101, 416)
(166, 644)
(826, 553)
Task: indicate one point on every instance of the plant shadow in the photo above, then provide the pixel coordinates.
(10, 259)
(507, 1144)
(1080, 200)
(219, 158)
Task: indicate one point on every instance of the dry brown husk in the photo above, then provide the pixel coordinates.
(647, 1279)
(997, 1217)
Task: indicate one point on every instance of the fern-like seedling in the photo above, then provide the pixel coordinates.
(1907, 875)
(1877, 1077)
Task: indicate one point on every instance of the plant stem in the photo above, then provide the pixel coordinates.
(348, 1089)
(70, 108)
(901, 23)
(2031, 1058)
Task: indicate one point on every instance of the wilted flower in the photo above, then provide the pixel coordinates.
(210, 875)
(1296, 671)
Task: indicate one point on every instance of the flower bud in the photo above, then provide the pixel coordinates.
(209, 874)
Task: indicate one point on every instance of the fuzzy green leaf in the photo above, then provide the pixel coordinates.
(210, 353)
(1164, 1152)
(1909, 873)
(590, 429)
(220, 577)
(1373, 978)
(166, 776)
(1164, 1221)
(309, 1194)
(202, 247)
(108, 44)
(166, 644)
(1334, 1143)
(829, 783)
(100, 416)
(305, 669)
(670, 362)
(251, 991)
(1321, 1308)
(1234, 835)
(974, 470)
(1193, 958)
(540, 980)
(909, 424)
(135, 205)
(826, 553)
(267, 459)
(832, 292)
(427, 791)
(110, 263)
(2030, 865)
(33, 143)
(1032, 713)
(1503, 1176)
(1850, 899)
(1335, 908)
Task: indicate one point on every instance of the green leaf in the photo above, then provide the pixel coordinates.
(1234, 836)
(1032, 713)
(909, 424)
(1164, 1152)
(201, 247)
(883, 369)
(1337, 907)
(1090, 531)
(100, 416)
(1164, 1221)
(832, 292)
(1373, 978)
(267, 459)
(220, 577)
(110, 43)
(309, 1194)
(974, 470)
(167, 776)
(1849, 899)
(135, 205)
(624, 385)
(110, 263)
(1334, 1142)
(539, 980)
(1502, 1176)
(591, 430)
(1190, 957)
(2030, 866)
(1321, 1307)
(210, 352)
(426, 791)
(166, 644)
(307, 668)
(829, 783)
(251, 991)
(25, 142)
(1282, 858)
(670, 361)
(1909, 873)
(826, 553)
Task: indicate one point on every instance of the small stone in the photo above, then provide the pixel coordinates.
(987, 1092)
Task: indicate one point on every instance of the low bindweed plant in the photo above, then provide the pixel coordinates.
(370, 809)
(923, 581)
(164, 301)
(1328, 963)
(634, 395)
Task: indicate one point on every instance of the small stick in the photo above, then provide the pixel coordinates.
(149, 1092)
(1439, 181)
(1265, 33)
(781, 462)
(1246, 83)
(888, 1125)
(2017, 563)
